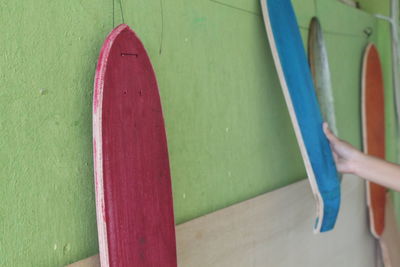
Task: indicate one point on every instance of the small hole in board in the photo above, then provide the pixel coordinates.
(129, 54)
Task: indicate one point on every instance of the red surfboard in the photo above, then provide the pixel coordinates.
(132, 177)
(373, 117)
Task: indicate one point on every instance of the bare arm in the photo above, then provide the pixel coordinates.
(350, 160)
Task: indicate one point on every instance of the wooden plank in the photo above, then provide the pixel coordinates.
(390, 240)
(93, 261)
(373, 121)
(274, 229)
(297, 86)
(134, 209)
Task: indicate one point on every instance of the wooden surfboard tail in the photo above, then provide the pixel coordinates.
(373, 125)
(320, 70)
(319, 64)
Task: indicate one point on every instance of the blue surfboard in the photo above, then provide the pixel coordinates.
(297, 85)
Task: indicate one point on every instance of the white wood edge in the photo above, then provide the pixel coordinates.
(98, 145)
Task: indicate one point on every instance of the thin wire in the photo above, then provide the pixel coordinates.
(122, 11)
(113, 14)
(162, 26)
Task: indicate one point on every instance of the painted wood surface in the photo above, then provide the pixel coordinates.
(274, 230)
(373, 117)
(132, 176)
(296, 82)
(319, 64)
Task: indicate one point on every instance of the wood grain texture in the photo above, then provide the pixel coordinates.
(132, 176)
(373, 117)
(274, 229)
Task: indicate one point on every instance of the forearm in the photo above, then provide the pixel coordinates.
(378, 171)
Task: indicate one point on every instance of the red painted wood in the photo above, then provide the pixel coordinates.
(132, 176)
(374, 132)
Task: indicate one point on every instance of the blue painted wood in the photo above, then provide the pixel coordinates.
(296, 81)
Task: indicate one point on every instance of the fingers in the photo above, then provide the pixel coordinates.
(343, 167)
(326, 129)
(335, 156)
(331, 137)
(333, 141)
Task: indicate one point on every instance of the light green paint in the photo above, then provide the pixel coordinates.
(229, 133)
(375, 6)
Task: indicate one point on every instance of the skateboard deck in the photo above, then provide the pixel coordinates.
(373, 118)
(132, 177)
(319, 65)
(296, 82)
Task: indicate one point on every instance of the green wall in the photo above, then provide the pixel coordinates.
(229, 132)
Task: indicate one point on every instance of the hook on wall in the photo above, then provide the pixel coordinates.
(368, 31)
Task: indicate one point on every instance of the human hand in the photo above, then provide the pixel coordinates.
(344, 154)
